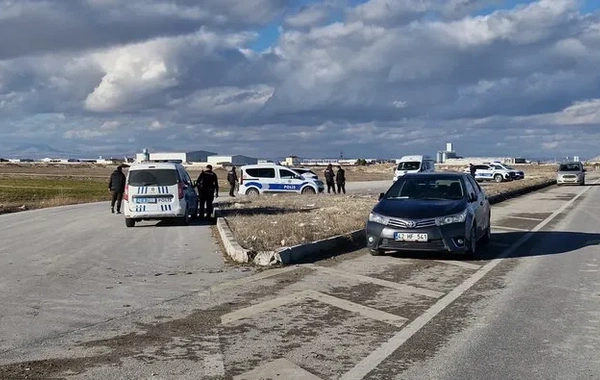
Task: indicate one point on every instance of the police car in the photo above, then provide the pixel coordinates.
(515, 174)
(270, 178)
(159, 191)
(491, 172)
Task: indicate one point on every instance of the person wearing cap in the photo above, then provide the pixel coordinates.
(232, 179)
(116, 186)
(208, 190)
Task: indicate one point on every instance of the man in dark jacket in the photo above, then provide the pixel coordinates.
(472, 170)
(116, 186)
(232, 179)
(330, 178)
(208, 190)
(340, 180)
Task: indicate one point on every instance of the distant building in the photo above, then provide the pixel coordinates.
(195, 156)
(237, 160)
(292, 161)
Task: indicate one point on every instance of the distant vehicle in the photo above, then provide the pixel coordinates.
(570, 173)
(430, 212)
(268, 178)
(414, 164)
(159, 191)
(306, 173)
(516, 174)
(491, 172)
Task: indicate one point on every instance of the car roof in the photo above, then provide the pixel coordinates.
(154, 165)
(430, 175)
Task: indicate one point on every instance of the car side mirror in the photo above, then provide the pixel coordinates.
(381, 195)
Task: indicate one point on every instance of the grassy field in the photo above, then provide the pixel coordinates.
(48, 192)
(270, 222)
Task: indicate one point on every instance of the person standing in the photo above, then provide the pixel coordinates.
(208, 190)
(330, 178)
(472, 170)
(232, 178)
(116, 186)
(340, 179)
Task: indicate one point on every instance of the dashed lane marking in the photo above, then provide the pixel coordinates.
(376, 281)
(369, 363)
(365, 311)
(525, 218)
(510, 228)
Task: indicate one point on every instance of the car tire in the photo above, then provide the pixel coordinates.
(185, 219)
(471, 252)
(376, 252)
(582, 183)
(130, 222)
(252, 192)
(498, 178)
(308, 190)
(487, 236)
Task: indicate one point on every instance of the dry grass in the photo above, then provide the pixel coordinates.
(274, 221)
(271, 222)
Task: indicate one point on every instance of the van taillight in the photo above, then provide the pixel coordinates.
(126, 193)
(180, 188)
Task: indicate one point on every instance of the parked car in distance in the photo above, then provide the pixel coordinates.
(515, 173)
(491, 172)
(413, 164)
(430, 212)
(570, 173)
(270, 178)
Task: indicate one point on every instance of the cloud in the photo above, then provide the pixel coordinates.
(378, 78)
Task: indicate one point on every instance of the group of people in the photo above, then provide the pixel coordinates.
(335, 178)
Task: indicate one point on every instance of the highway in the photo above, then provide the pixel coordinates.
(83, 296)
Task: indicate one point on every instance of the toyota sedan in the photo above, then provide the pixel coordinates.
(430, 212)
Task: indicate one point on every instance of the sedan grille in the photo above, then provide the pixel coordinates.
(433, 245)
(400, 223)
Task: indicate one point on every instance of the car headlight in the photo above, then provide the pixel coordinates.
(456, 218)
(376, 218)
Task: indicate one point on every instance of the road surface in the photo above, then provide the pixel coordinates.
(81, 299)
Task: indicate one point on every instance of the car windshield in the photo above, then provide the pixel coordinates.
(409, 165)
(153, 177)
(569, 168)
(426, 188)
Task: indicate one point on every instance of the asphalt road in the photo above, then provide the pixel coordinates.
(84, 297)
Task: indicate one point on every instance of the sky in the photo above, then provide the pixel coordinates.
(312, 78)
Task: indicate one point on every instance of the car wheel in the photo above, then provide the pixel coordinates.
(252, 192)
(376, 252)
(498, 178)
(129, 222)
(583, 182)
(308, 190)
(471, 253)
(487, 236)
(185, 219)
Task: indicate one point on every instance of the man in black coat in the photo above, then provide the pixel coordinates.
(232, 179)
(208, 190)
(340, 180)
(329, 178)
(116, 186)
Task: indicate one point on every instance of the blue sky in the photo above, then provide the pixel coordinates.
(261, 78)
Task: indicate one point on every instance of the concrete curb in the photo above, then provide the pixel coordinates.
(297, 253)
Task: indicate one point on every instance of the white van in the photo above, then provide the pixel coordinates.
(413, 164)
(269, 178)
(159, 191)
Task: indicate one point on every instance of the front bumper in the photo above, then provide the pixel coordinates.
(569, 180)
(440, 238)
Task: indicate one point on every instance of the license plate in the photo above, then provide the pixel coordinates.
(163, 200)
(402, 236)
(145, 200)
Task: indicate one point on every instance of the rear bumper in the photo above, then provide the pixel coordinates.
(441, 238)
(176, 212)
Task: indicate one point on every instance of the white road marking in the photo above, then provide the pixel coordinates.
(277, 369)
(246, 280)
(369, 363)
(459, 264)
(510, 228)
(214, 363)
(525, 218)
(377, 281)
(365, 311)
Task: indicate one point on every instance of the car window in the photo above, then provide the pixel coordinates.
(569, 168)
(481, 167)
(469, 187)
(286, 174)
(261, 172)
(426, 188)
(409, 165)
(475, 185)
(153, 177)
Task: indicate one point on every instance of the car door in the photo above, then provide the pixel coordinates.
(483, 172)
(480, 205)
(289, 181)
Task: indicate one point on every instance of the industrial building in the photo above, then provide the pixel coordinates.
(443, 155)
(237, 160)
(195, 156)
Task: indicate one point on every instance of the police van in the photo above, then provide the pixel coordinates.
(413, 164)
(271, 178)
(159, 191)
